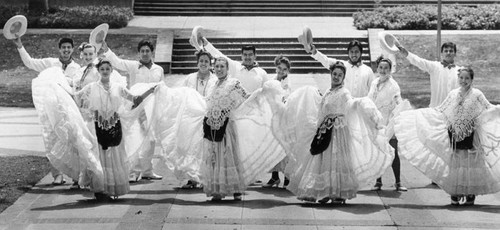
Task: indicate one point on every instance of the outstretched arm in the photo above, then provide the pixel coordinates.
(121, 64)
(35, 64)
(323, 59)
(423, 64)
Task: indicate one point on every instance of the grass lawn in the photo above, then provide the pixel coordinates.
(15, 78)
(481, 52)
(19, 174)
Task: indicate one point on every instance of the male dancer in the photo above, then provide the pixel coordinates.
(65, 61)
(142, 71)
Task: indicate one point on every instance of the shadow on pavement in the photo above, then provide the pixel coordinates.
(382, 193)
(350, 208)
(461, 208)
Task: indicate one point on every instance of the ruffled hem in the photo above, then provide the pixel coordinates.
(70, 146)
(423, 140)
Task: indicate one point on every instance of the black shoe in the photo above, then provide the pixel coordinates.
(287, 182)
(469, 200)
(455, 200)
(272, 182)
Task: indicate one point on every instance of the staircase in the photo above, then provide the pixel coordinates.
(286, 8)
(184, 60)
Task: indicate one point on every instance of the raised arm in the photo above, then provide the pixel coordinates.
(233, 65)
(423, 64)
(35, 64)
(121, 64)
(323, 59)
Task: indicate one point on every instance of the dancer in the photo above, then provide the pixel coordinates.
(203, 80)
(343, 149)
(456, 143)
(105, 101)
(443, 75)
(221, 167)
(386, 95)
(358, 77)
(282, 69)
(142, 71)
(65, 61)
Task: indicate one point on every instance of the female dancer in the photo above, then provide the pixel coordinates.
(456, 143)
(105, 100)
(221, 167)
(282, 69)
(202, 81)
(386, 95)
(348, 149)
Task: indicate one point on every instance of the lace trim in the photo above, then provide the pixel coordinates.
(461, 111)
(106, 123)
(222, 101)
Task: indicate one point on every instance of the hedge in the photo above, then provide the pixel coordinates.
(424, 17)
(72, 17)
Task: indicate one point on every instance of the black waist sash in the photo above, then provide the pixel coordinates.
(109, 137)
(212, 134)
(464, 144)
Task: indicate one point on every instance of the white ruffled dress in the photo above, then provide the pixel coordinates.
(424, 140)
(72, 146)
(357, 154)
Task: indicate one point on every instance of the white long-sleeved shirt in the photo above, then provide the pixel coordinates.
(137, 72)
(357, 80)
(203, 87)
(41, 64)
(443, 79)
(251, 80)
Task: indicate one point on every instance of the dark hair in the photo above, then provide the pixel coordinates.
(145, 43)
(222, 59)
(355, 43)
(86, 45)
(201, 53)
(338, 65)
(248, 47)
(468, 70)
(282, 59)
(102, 62)
(382, 59)
(66, 40)
(449, 45)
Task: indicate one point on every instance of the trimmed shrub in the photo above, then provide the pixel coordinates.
(72, 17)
(424, 17)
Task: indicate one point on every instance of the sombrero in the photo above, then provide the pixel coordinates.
(196, 37)
(98, 35)
(388, 42)
(306, 38)
(15, 26)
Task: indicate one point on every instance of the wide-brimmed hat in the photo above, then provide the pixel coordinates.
(15, 26)
(98, 35)
(306, 38)
(196, 37)
(388, 42)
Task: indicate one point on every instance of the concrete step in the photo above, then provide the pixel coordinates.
(184, 61)
(244, 13)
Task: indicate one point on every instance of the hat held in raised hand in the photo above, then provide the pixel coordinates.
(306, 38)
(98, 35)
(15, 26)
(196, 39)
(388, 42)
